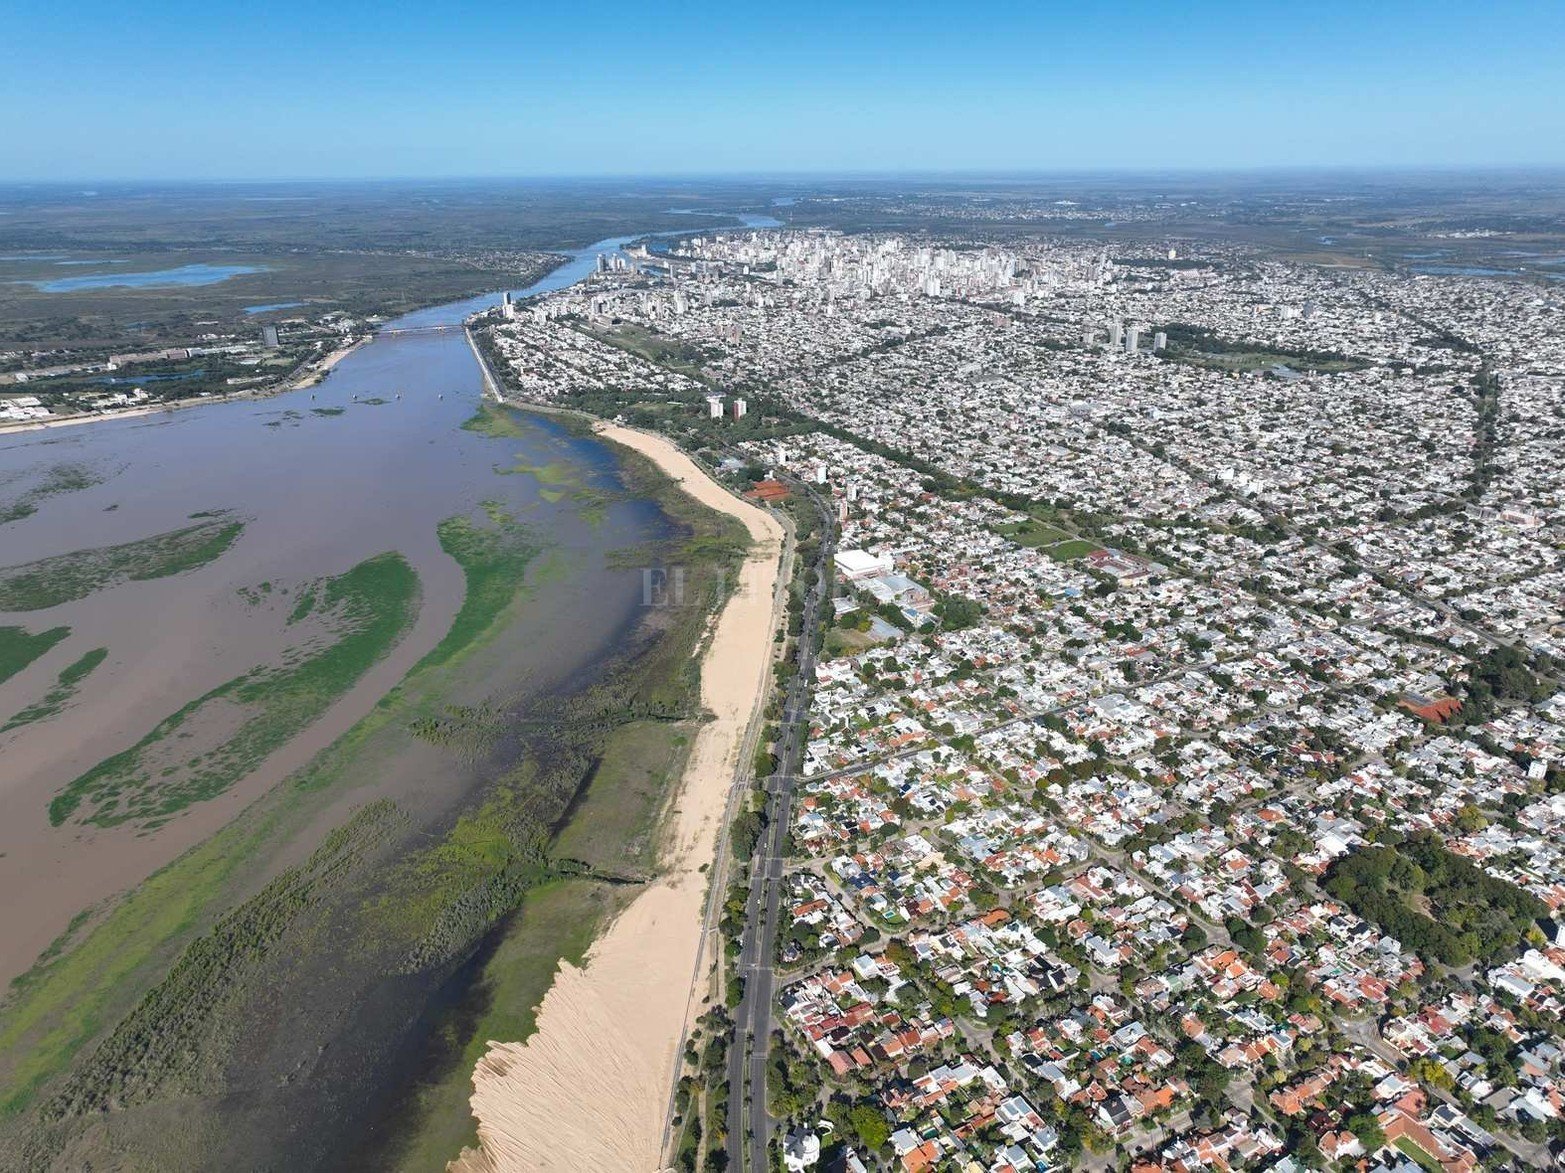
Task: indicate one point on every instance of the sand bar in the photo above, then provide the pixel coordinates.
(589, 1090)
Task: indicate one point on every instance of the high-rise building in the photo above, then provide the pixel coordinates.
(740, 407)
(1116, 335)
(1159, 341)
(1132, 339)
(714, 406)
(269, 337)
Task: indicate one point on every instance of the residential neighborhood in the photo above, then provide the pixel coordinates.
(1183, 783)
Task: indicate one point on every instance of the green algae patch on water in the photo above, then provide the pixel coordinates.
(18, 649)
(62, 478)
(556, 473)
(214, 741)
(64, 578)
(57, 698)
(497, 423)
(303, 606)
(494, 560)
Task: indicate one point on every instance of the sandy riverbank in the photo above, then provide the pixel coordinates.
(589, 1090)
(309, 377)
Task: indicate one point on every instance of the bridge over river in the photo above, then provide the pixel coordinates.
(405, 331)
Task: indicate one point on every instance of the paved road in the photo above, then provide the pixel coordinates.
(748, 1118)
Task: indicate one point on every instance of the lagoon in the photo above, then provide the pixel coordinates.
(185, 275)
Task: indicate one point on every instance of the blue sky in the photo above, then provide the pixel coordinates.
(177, 89)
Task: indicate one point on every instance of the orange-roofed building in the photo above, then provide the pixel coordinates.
(768, 491)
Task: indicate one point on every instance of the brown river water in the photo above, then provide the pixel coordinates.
(319, 493)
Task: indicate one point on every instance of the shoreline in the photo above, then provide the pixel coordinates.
(589, 1088)
(313, 373)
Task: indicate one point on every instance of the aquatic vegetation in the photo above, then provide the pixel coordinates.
(254, 596)
(466, 728)
(303, 606)
(154, 1045)
(494, 561)
(452, 891)
(368, 610)
(560, 480)
(62, 478)
(557, 473)
(145, 1002)
(61, 694)
(65, 578)
(497, 422)
(328, 411)
(19, 649)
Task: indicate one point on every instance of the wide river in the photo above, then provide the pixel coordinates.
(368, 461)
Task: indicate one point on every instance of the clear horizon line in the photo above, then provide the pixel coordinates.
(819, 174)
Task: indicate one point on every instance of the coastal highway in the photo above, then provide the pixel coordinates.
(748, 1119)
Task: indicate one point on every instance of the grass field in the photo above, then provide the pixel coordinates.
(1031, 533)
(368, 610)
(18, 648)
(1262, 360)
(1072, 548)
(656, 348)
(611, 832)
(55, 1009)
(494, 560)
(36, 586)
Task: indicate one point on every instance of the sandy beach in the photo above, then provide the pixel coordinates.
(589, 1090)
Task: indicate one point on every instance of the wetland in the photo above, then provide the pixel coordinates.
(332, 723)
